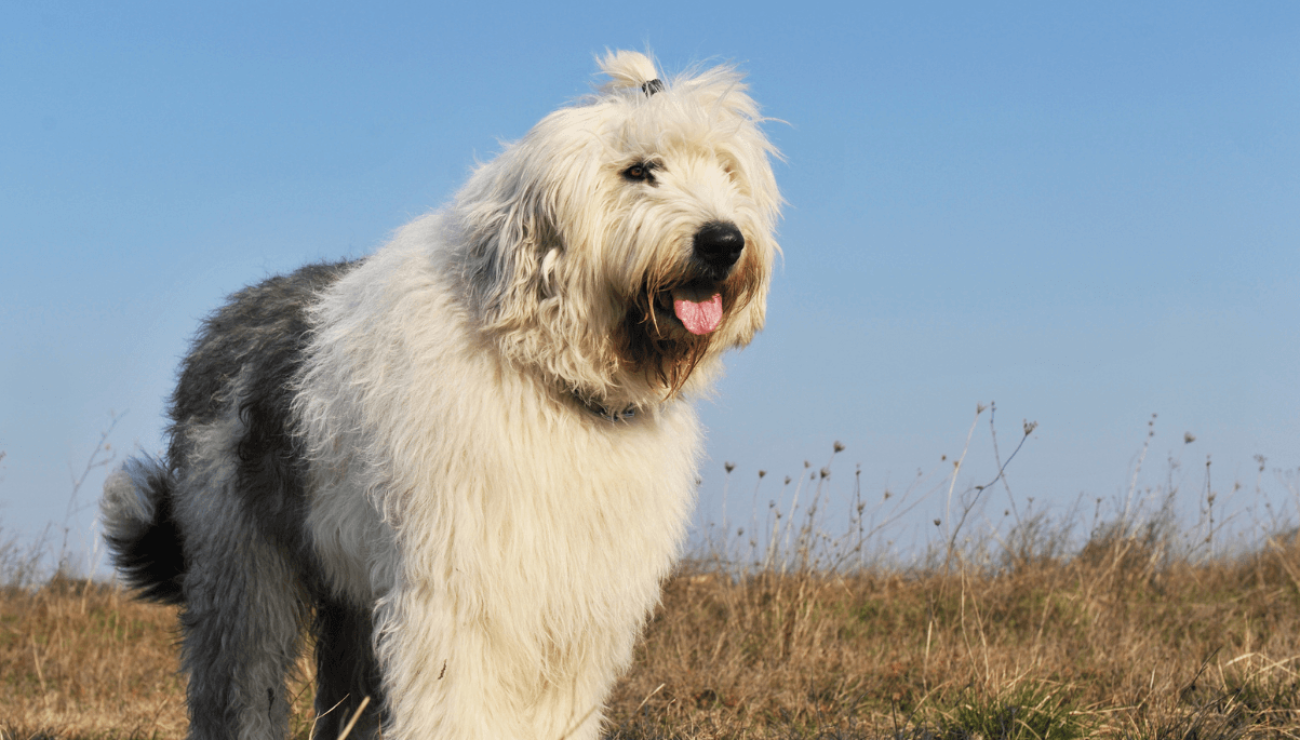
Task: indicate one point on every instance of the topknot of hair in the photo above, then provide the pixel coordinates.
(630, 70)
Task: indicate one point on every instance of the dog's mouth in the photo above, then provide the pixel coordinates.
(669, 328)
(696, 307)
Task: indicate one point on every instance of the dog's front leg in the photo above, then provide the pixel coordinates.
(440, 677)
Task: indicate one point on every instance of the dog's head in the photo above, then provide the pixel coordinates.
(627, 241)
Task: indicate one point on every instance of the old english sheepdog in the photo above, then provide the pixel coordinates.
(465, 463)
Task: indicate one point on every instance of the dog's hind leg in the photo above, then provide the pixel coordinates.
(245, 602)
(240, 637)
(346, 670)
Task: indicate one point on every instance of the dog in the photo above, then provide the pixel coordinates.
(465, 463)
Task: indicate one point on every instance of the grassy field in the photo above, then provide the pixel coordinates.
(1119, 639)
(1140, 624)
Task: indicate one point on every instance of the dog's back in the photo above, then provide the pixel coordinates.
(242, 363)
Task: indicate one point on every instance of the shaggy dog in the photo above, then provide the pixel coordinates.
(466, 462)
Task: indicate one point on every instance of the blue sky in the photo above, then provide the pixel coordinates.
(1084, 212)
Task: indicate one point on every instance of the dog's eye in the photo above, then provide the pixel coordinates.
(640, 172)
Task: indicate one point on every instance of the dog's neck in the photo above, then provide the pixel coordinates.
(623, 413)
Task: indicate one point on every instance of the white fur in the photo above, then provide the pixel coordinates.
(511, 539)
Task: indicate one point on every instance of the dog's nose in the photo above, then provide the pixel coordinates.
(718, 244)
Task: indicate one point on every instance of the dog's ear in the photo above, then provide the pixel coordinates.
(512, 240)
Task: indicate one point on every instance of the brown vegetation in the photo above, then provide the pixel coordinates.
(1119, 640)
(80, 659)
(1113, 643)
(1144, 630)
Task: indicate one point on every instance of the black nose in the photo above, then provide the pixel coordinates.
(718, 245)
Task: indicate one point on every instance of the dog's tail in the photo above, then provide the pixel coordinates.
(141, 533)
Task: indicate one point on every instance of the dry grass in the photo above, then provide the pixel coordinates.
(1116, 641)
(1107, 648)
(1146, 629)
(79, 659)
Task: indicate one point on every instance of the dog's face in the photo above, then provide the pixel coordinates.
(625, 243)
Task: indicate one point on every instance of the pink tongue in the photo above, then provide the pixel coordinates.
(699, 317)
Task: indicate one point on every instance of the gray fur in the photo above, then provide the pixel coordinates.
(218, 526)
